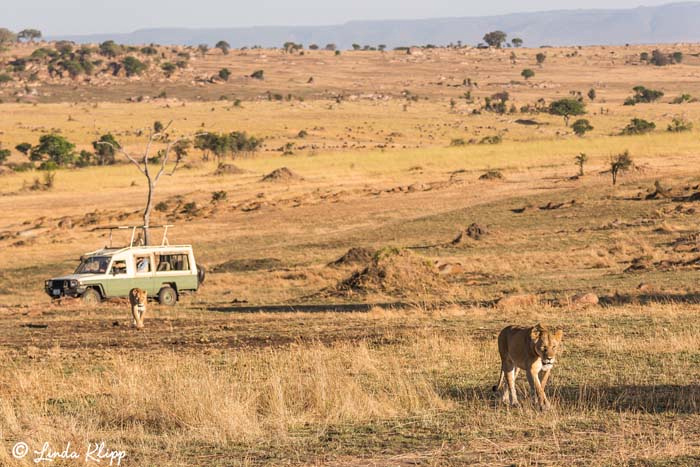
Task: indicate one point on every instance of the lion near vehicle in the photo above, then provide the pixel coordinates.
(138, 299)
(163, 271)
(533, 349)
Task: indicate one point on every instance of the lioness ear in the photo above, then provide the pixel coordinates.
(535, 332)
(559, 334)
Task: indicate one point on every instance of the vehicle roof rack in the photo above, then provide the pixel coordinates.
(133, 228)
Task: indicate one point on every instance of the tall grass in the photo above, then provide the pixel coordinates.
(243, 397)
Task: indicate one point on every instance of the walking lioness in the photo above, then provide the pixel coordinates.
(137, 300)
(532, 349)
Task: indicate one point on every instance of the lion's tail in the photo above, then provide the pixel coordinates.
(501, 380)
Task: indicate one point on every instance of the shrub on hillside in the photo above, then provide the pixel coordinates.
(638, 126)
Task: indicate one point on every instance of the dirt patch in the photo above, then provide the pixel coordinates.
(687, 243)
(645, 263)
(228, 169)
(492, 175)
(394, 272)
(525, 208)
(528, 122)
(242, 265)
(354, 256)
(551, 206)
(282, 174)
(473, 232)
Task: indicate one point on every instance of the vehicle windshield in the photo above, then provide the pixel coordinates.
(93, 265)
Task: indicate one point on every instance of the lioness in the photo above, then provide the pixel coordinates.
(137, 299)
(532, 349)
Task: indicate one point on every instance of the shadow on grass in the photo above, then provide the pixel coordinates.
(605, 301)
(626, 299)
(624, 398)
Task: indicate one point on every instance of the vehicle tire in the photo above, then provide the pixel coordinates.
(201, 274)
(91, 297)
(167, 296)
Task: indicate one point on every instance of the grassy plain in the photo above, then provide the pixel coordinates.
(265, 366)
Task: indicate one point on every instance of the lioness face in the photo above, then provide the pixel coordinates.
(547, 347)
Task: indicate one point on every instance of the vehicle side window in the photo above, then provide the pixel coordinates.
(168, 262)
(119, 267)
(143, 263)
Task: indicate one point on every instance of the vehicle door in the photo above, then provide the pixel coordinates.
(118, 282)
(143, 272)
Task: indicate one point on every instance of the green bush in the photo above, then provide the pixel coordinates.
(683, 98)
(110, 49)
(581, 127)
(224, 74)
(495, 139)
(133, 66)
(638, 126)
(58, 150)
(645, 95)
(4, 155)
(168, 68)
(149, 50)
(679, 124)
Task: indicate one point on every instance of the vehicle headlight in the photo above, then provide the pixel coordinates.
(74, 284)
(49, 284)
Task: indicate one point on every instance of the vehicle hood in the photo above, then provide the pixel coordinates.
(69, 277)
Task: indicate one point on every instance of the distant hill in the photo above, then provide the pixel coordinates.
(677, 22)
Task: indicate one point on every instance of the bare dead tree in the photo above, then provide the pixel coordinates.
(141, 161)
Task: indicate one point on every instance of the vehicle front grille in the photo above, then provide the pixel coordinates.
(60, 284)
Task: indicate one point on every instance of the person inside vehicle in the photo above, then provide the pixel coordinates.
(143, 265)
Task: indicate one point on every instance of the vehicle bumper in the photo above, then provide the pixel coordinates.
(61, 290)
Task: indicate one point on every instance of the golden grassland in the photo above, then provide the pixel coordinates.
(625, 391)
(264, 366)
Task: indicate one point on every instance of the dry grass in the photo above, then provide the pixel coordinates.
(221, 380)
(414, 393)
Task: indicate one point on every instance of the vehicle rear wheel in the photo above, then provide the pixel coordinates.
(201, 274)
(91, 297)
(167, 296)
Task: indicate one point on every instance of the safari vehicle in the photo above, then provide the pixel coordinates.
(164, 271)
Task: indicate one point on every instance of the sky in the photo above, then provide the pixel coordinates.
(55, 17)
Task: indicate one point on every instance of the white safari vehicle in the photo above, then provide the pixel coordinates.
(164, 271)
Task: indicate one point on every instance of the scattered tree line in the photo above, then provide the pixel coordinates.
(54, 151)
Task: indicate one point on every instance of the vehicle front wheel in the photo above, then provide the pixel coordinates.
(167, 296)
(91, 297)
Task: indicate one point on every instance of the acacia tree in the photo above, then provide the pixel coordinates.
(223, 46)
(29, 35)
(141, 161)
(495, 38)
(105, 153)
(527, 73)
(619, 163)
(567, 108)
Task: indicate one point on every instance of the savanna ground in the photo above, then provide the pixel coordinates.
(271, 362)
